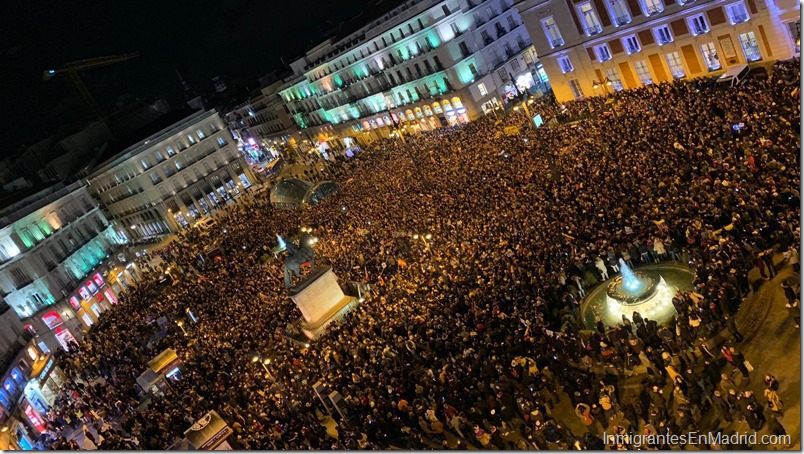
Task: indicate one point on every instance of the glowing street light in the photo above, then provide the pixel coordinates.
(264, 361)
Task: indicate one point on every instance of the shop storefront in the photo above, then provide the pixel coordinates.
(40, 393)
(164, 368)
(54, 321)
(92, 299)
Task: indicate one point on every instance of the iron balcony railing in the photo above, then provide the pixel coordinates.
(593, 30)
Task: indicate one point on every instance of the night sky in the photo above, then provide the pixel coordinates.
(200, 38)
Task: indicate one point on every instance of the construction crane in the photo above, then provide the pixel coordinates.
(71, 72)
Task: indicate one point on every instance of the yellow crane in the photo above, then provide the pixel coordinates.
(71, 72)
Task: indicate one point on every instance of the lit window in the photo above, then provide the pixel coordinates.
(589, 18)
(552, 32)
(652, 7)
(619, 12)
(737, 13)
(698, 24)
(748, 41)
(482, 89)
(674, 62)
(663, 35)
(643, 72)
(602, 52)
(576, 89)
(611, 73)
(565, 64)
(709, 53)
(631, 44)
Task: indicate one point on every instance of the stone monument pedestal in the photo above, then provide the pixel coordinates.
(320, 300)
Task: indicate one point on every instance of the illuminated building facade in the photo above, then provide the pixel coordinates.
(590, 47)
(54, 247)
(173, 177)
(261, 126)
(423, 63)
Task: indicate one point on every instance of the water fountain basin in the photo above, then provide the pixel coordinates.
(633, 292)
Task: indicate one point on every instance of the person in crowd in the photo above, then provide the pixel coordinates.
(472, 260)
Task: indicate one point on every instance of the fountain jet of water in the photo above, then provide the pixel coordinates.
(629, 279)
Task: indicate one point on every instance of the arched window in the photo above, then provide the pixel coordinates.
(456, 102)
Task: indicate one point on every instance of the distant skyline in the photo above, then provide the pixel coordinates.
(202, 39)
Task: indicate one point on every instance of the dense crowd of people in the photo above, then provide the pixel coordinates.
(478, 248)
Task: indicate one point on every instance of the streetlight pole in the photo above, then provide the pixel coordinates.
(264, 361)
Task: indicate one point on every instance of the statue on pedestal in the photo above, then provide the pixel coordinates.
(296, 256)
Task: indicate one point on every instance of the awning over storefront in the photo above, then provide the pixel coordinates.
(163, 361)
(208, 433)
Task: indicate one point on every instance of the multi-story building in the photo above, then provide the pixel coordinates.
(176, 175)
(585, 44)
(424, 63)
(60, 262)
(21, 364)
(261, 125)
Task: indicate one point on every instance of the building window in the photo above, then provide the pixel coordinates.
(652, 7)
(576, 89)
(663, 35)
(145, 164)
(565, 64)
(750, 47)
(464, 49)
(515, 65)
(589, 18)
(619, 12)
(170, 151)
(710, 57)
(602, 52)
(221, 141)
(191, 139)
(454, 27)
(552, 33)
(643, 73)
(611, 73)
(472, 70)
(631, 44)
(200, 134)
(512, 22)
(698, 24)
(445, 9)
(737, 13)
(795, 34)
(482, 89)
(674, 62)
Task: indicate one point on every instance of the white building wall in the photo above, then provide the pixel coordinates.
(144, 188)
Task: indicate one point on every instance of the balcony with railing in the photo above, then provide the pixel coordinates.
(622, 20)
(738, 18)
(556, 42)
(593, 30)
(653, 10)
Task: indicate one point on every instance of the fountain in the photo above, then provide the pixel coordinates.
(648, 290)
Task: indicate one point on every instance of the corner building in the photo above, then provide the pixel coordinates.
(422, 63)
(632, 43)
(173, 177)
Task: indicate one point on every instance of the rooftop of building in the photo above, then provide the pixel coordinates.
(18, 204)
(125, 144)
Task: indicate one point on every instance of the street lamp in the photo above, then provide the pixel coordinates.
(264, 361)
(606, 83)
(181, 325)
(423, 237)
